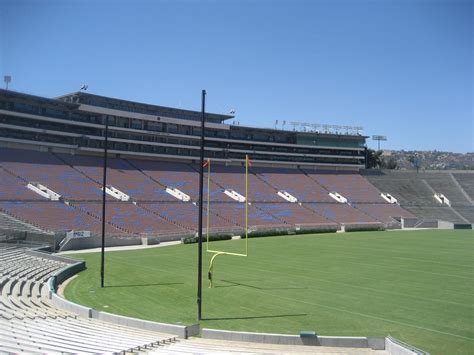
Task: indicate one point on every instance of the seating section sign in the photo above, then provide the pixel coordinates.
(78, 234)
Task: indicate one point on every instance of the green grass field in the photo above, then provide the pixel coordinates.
(416, 286)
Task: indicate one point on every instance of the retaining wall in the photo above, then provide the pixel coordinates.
(389, 344)
(283, 339)
(77, 266)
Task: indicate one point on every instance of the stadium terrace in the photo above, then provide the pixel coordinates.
(74, 123)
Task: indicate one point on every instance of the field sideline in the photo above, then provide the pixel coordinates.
(417, 286)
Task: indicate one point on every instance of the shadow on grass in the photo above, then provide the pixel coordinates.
(147, 285)
(234, 284)
(259, 317)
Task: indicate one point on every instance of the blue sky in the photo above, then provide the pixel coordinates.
(398, 68)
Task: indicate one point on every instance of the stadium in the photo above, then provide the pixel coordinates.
(354, 260)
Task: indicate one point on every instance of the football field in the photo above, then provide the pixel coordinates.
(417, 286)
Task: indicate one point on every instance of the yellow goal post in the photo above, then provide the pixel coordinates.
(219, 252)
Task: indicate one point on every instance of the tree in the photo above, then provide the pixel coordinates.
(374, 158)
(390, 163)
(415, 161)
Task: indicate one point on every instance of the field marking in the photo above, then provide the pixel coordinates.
(324, 280)
(366, 315)
(377, 265)
(397, 268)
(438, 252)
(328, 281)
(293, 266)
(408, 270)
(317, 304)
(352, 312)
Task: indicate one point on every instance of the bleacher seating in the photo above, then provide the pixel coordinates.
(415, 193)
(341, 213)
(13, 188)
(292, 213)
(294, 182)
(8, 222)
(441, 213)
(466, 211)
(350, 185)
(51, 172)
(30, 323)
(51, 215)
(385, 213)
(131, 218)
(235, 212)
(233, 177)
(151, 210)
(177, 175)
(466, 180)
(186, 214)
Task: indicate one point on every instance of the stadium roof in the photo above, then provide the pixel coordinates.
(105, 101)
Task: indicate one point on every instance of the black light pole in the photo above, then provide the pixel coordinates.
(104, 186)
(366, 163)
(201, 184)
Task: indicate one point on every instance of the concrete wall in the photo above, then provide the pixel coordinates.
(428, 224)
(95, 241)
(44, 238)
(396, 347)
(409, 222)
(77, 266)
(445, 225)
(283, 339)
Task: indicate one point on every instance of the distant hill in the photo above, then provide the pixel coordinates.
(430, 160)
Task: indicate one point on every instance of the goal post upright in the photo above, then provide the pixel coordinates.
(217, 252)
(208, 201)
(246, 204)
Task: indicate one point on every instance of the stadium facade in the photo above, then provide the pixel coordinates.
(74, 123)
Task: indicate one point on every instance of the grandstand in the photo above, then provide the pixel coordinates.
(29, 322)
(50, 165)
(417, 191)
(51, 168)
(148, 209)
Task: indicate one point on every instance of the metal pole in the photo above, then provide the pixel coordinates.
(201, 183)
(366, 163)
(104, 185)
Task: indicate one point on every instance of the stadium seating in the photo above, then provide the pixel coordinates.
(51, 172)
(467, 212)
(293, 213)
(8, 222)
(13, 188)
(177, 175)
(153, 211)
(466, 181)
(385, 213)
(350, 185)
(294, 182)
(442, 213)
(415, 193)
(132, 218)
(233, 177)
(30, 323)
(186, 214)
(52, 216)
(257, 218)
(341, 213)
(121, 175)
